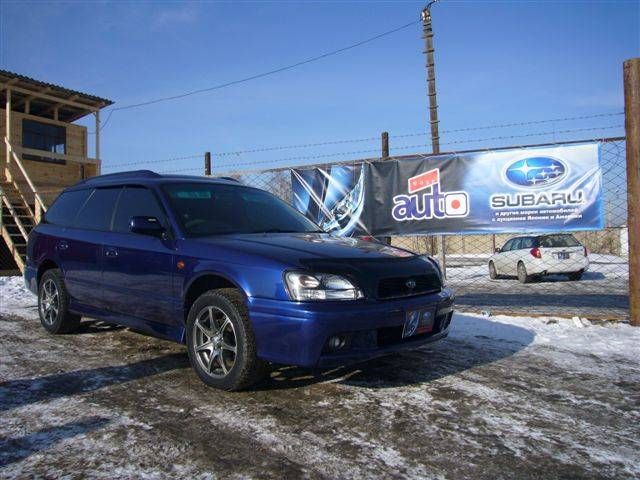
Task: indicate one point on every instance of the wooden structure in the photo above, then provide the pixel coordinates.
(42, 152)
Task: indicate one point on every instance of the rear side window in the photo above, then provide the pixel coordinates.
(554, 241)
(65, 208)
(136, 202)
(527, 243)
(98, 210)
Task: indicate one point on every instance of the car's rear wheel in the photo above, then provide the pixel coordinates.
(575, 276)
(221, 343)
(523, 277)
(53, 304)
(493, 273)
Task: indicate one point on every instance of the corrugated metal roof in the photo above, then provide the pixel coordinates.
(91, 100)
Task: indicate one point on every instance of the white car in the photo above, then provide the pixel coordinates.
(532, 256)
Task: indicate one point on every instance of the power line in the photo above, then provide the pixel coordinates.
(258, 75)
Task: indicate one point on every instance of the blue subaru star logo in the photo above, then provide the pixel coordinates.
(536, 172)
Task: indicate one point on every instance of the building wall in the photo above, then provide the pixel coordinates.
(49, 178)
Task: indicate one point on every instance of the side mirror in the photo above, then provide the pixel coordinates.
(146, 226)
(498, 250)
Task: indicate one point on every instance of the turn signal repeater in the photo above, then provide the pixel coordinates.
(180, 265)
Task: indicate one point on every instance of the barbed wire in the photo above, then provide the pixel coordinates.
(404, 135)
(164, 160)
(406, 147)
(369, 139)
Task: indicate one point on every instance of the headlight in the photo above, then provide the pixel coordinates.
(434, 262)
(320, 286)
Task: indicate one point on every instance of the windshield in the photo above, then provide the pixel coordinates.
(212, 209)
(554, 241)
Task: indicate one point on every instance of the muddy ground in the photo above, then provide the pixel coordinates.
(489, 402)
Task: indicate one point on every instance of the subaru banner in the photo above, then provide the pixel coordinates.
(535, 189)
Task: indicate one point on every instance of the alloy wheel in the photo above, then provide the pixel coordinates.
(49, 302)
(215, 343)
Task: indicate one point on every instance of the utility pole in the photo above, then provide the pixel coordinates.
(631, 75)
(427, 35)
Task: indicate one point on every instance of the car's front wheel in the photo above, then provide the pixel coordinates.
(221, 343)
(53, 304)
(493, 273)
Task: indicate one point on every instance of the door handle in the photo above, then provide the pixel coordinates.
(111, 252)
(62, 245)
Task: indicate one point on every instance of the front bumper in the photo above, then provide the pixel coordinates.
(296, 333)
(30, 279)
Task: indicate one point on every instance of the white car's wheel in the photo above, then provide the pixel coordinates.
(523, 277)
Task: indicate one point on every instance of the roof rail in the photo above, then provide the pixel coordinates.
(231, 179)
(129, 174)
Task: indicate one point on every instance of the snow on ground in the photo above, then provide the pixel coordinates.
(502, 397)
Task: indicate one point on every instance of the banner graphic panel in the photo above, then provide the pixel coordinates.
(536, 189)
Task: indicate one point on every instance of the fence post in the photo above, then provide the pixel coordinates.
(384, 137)
(207, 164)
(631, 75)
(384, 140)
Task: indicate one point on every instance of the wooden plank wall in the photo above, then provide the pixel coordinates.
(49, 178)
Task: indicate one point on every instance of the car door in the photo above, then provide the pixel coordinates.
(80, 249)
(501, 257)
(138, 269)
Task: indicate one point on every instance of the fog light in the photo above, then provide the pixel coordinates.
(337, 342)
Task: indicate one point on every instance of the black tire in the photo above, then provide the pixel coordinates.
(523, 277)
(575, 276)
(493, 273)
(246, 369)
(52, 294)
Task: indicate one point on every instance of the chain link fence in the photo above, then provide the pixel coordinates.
(497, 273)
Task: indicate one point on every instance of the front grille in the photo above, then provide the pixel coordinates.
(401, 286)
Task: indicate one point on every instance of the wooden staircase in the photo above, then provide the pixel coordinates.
(17, 221)
(17, 216)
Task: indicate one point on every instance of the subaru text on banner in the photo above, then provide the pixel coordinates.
(238, 275)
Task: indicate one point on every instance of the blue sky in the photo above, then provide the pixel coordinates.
(497, 62)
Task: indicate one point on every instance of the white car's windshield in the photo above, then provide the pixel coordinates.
(214, 209)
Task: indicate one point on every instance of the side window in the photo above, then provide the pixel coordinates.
(136, 202)
(507, 246)
(517, 242)
(98, 210)
(65, 208)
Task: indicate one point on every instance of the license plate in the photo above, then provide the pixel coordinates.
(418, 321)
(562, 256)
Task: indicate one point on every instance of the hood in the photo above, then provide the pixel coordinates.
(302, 247)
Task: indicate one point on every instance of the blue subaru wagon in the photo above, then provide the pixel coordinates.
(234, 272)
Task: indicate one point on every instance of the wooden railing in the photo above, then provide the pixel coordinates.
(15, 159)
(57, 156)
